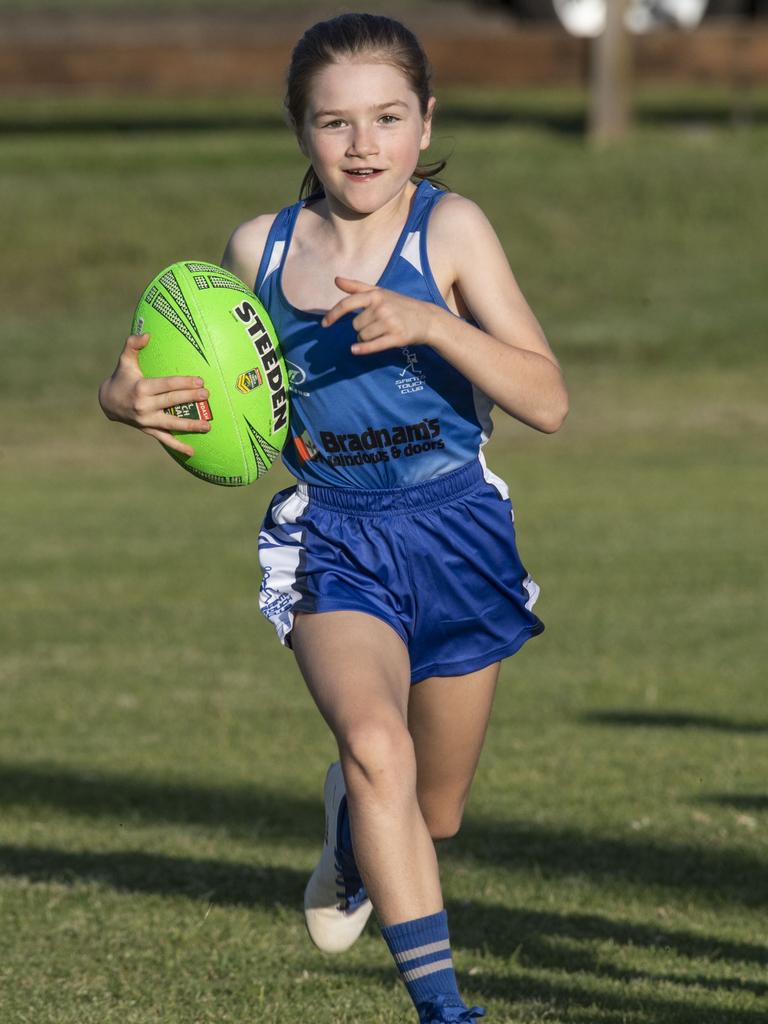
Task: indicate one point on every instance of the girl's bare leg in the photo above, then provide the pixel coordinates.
(448, 718)
(358, 672)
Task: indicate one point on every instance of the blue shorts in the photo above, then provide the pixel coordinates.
(437, 561)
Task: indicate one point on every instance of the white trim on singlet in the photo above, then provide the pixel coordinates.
(275, 258)
(483, 406)
(493, 480)
(411, 250)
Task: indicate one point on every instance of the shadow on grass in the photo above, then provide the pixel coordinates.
(738, 801)
(567, 119)
(241, 810)
(578, 1004)
(140, 123)
(214, 881)
(535, 938)
(571, 120)
(705, 873)
(562, 944)
(673, 720)
(583, 1001)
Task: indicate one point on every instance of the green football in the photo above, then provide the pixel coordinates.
(204, 322)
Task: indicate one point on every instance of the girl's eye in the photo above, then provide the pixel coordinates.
(389, 118)
(333, 124)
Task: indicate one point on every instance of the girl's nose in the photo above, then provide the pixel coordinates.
(363, 143)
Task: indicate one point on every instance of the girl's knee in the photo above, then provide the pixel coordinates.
(443, 813)
(444, 824)
(377, 753)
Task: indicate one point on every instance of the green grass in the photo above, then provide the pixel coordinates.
(161, 762)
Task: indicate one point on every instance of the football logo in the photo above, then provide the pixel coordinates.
(249, 381)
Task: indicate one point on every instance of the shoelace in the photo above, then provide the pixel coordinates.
(351, 890)
(445, 1010)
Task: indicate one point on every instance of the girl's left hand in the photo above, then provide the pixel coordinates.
(386, 319)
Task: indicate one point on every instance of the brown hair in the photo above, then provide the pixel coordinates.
(352, 35)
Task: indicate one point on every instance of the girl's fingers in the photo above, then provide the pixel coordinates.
(375, 329)
(136, 342)
(150, 410)
(162, 385)
(184, 425)
(367, 348)
(364, 319)
(169, 441)
(349, 284)
(347, 305)
(171, 398)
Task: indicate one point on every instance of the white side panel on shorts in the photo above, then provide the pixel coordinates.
(533, 589)
(280, 551)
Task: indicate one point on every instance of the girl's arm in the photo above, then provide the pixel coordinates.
(127, 396)
(507, 357)
(242, 255)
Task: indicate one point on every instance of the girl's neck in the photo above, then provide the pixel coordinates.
(349, 228)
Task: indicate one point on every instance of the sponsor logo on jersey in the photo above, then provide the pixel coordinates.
(247, 315)
(374, 444)
(296, 377)
(191, 411)
(306, 447)
(249, 381)
(295, 373)
(381, 437)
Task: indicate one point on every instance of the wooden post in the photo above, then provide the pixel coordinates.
(742, 112)
(610, 77)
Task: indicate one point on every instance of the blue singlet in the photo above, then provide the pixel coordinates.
(385, 420)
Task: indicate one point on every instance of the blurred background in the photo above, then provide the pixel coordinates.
(161, 764)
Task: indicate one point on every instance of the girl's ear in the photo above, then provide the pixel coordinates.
(426, 132)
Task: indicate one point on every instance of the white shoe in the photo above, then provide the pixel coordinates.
(336, 907)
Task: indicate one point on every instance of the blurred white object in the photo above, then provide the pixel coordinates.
(587, 17)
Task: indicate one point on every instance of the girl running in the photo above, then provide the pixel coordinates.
(390, 568)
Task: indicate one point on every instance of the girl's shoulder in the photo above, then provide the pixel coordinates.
(460, 237)
(456, 214)
(245, 247)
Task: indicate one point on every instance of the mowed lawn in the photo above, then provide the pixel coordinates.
(161, 764)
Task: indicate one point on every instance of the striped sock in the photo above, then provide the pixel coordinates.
(422, 952)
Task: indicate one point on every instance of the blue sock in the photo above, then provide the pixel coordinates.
(422, 952)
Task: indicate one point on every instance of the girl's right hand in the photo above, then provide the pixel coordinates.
(130, 397)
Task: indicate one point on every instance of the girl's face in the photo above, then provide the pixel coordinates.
(363, 132)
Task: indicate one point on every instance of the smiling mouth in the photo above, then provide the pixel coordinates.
(363, 172)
